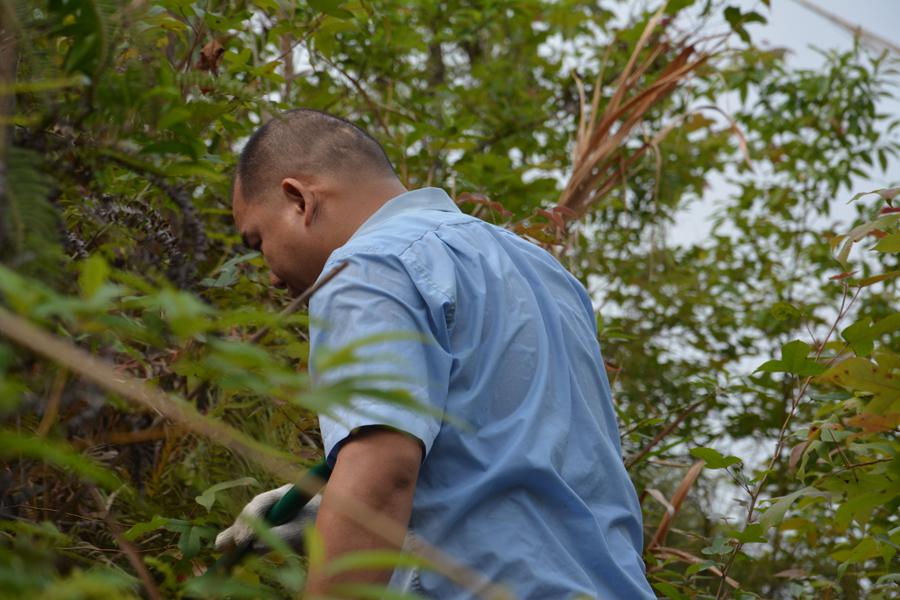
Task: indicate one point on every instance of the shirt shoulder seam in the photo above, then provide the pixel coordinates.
(406, 256)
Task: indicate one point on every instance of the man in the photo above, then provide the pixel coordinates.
(523, 479)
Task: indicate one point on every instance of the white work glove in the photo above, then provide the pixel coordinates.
(291, 532)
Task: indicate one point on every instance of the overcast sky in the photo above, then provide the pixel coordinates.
(798, 29)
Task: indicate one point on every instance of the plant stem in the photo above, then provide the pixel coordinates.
(782, 436)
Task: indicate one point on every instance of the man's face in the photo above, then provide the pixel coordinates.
(275, 226)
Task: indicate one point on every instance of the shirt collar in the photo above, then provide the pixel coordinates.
(429, 198)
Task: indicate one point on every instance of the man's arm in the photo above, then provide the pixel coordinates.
(378, 467)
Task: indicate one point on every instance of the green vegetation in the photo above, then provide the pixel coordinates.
(756, 372)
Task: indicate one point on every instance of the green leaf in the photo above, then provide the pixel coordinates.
(793, 355)
(315, 547)
(794, 360)
(772, 366)
(332, 8)
(227, 274)
(701, 566)
(774, 514)
(376, 560)
(177, 115)
(753, 533)
(859, 507)
(208, 497)
(863, 551)
(889, 324)
(713, 459)
(784, 311)
(867, 281)
(192, 540)
(668, 590)
(889, 243)
(94, 272)
(860, 337)
(139, 529)
(675, 6)
(267, 5)
(719, 547)
(733, 16)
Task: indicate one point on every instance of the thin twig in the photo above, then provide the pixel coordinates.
(868, 37)
(53, 402)
(662, 434)
(864, 464)
(689, 558)
(127, 548)
(297, 302)
(782, 435)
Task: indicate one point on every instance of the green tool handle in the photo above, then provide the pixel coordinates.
(290, 505)
(287, 507)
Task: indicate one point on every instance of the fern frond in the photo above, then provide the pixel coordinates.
(105, 12)
(31, 222)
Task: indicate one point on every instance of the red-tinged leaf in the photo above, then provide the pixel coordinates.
(797, 453)
(567, 212)
(471, 197)
(843, 275)
(485, 201)
(889, 209)
(494, 205)
(553, 217)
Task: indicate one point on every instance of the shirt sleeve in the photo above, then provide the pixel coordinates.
(372, 329)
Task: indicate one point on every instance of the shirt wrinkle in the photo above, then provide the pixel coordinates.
(538, 472)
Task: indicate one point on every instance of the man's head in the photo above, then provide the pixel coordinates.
(305, 182)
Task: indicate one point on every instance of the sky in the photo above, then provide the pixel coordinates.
(798, 29)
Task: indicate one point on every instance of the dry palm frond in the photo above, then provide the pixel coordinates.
(677, 499)
(601, 157)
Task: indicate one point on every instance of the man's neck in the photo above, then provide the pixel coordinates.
(362, 205)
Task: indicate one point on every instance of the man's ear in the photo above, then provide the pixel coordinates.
(301, 195)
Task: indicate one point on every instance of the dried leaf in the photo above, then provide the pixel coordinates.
(210, 56)
(792, 574)
(872, 423)
(659, 497)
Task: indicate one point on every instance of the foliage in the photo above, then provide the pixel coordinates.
(766, 351)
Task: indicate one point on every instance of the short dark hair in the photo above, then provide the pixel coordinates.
(307, 141)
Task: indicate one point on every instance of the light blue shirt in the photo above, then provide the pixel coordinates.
(522, 478)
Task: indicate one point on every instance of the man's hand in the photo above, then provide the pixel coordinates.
(291, 532)
(378, 467)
